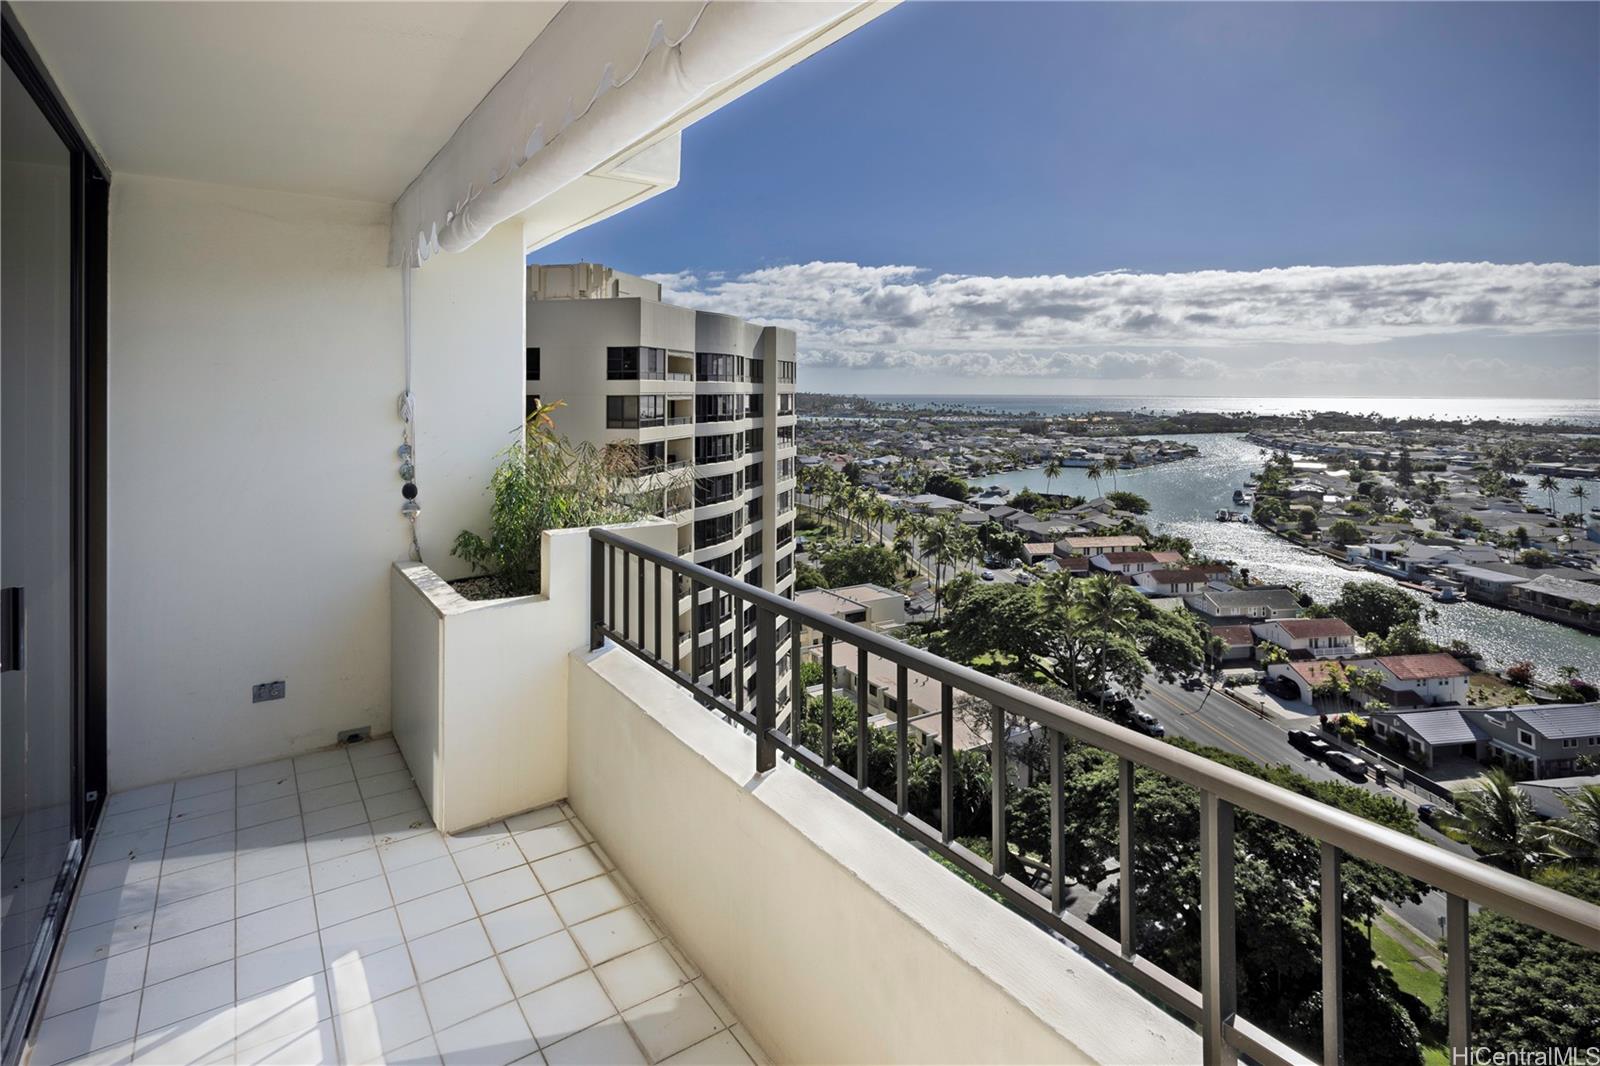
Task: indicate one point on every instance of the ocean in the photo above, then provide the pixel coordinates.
(1578, 411)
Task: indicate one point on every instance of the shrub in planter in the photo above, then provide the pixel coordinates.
(544, 481)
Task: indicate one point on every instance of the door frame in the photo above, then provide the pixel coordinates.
(91, 188)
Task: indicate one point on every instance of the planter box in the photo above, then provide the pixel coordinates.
(479, 687)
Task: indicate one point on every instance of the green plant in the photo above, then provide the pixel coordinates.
(546, 482)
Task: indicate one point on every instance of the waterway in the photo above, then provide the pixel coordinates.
(1185, 496)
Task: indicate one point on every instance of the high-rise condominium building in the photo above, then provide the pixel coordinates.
(709, 401)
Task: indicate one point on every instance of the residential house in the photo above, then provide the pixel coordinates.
(1097, 545)
(1125, 563)
(1309, 638)
(1427, 735)
(1423, 680)
(1541, 741)
(1239, 643)
(1250, 604)
(1561, 599)
(1170, 582)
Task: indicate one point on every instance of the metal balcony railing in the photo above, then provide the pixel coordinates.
(1213, 1006)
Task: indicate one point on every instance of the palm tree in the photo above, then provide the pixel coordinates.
(1579, 493)
(1108, 607)
(1052, 470)
(1112, 465)
(1498, 822)
(1431, 488)
(1576, 838)
(939, 541)
(1094, 474)
(1550, 486)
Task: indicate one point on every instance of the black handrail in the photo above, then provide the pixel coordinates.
(1222, 790)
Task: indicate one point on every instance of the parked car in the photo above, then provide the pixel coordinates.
(1113, 700)
(1300, 738)
(987, 575)
(1146, 723)
(1194, 681)
(1428, 814)
(1318, 749)
(1347, 764)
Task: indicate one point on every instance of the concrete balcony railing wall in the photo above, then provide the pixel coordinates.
(811, 917)
(480, 686)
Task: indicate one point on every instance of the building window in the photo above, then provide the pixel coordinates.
(758, 372)
(756, 404)
(752, 510)
(718, 408)
(710, 490)
(636, 364)
(786, 371)
(717, 449)
(752, 440)
(715, 366)
(635, 412)
(1525, 738)
(786, 403)
(531, 364)
(720, 530)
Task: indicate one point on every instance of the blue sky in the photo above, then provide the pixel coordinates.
(1028, 147)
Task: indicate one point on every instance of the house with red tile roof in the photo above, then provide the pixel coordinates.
(1309, 638)
(1429, 680)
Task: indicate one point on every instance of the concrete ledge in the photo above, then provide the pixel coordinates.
(833, 940)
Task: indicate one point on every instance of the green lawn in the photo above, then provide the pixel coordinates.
(1388, 943)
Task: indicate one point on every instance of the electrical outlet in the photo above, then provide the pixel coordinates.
(355, 736)
(269, 690)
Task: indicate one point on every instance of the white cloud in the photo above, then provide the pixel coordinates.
(853, 316)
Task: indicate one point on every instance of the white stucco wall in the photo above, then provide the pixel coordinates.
(255, 357)
(480, 686)
(833, 940)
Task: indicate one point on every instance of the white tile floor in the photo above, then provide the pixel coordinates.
(307, 911)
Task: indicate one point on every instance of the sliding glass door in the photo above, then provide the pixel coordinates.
(48, 790)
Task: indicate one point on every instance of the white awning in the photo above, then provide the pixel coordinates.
(601, 78)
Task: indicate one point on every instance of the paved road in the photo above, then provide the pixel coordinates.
(1209, 717)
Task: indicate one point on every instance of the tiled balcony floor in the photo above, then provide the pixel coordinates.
(308, 911)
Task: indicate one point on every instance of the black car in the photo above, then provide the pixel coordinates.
(1300, 738)
(1428, 814)
(1194, 682)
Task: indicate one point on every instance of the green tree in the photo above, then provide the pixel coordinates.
(855, 564)
(1345, 532)
(1307, 519)
(1579, 493)
(1550, 486)
(1532, 990)
(1403, 639)
(1375, 607)
(1109, 608)
(1131, 502)
(1405, 473)
(948, 485)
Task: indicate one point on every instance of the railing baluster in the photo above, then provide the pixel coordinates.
(997, 788)
(861, 717)
(1125, 798)
(797, 688)
(1218, 947)
(627, 630)
(1058, 873)
(716, 641)
(1458, 977)
(657, 572)
(902, 780)
(738, 658)
(947, 763)
(827, 700)
(611, 590)
(677, 623)
(597, 595)
(1332, 962)
(766, 687)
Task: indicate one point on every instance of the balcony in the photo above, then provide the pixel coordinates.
(308, 909)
